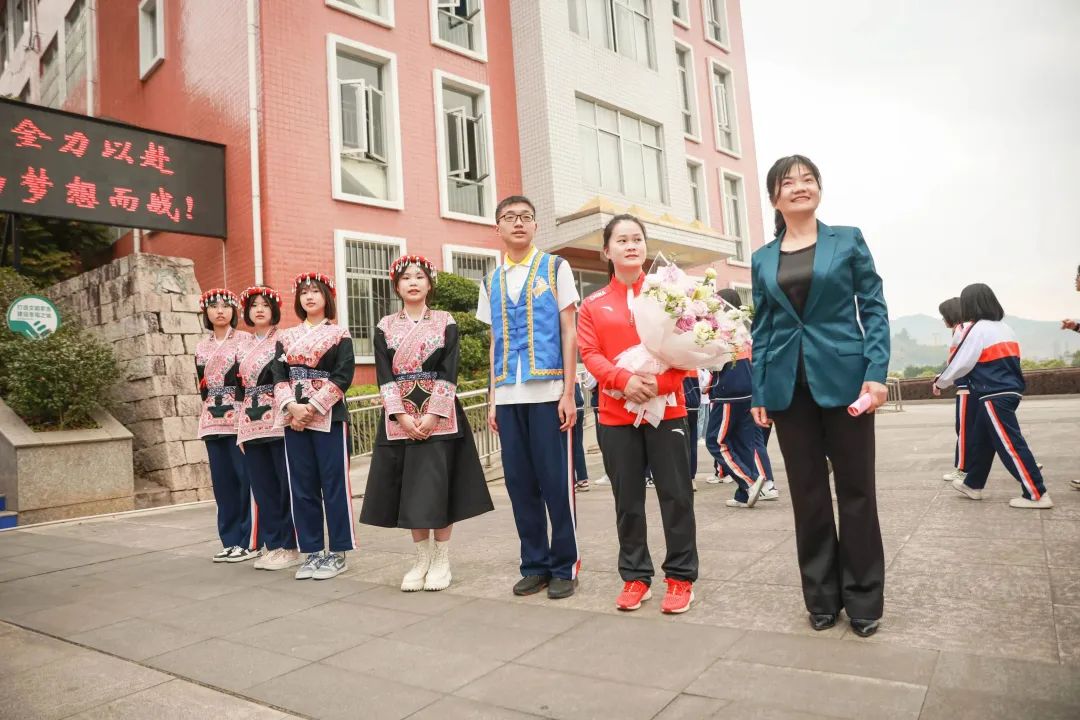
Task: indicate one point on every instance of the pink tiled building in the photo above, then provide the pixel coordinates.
(358, 129)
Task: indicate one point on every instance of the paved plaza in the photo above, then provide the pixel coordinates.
(126, 617)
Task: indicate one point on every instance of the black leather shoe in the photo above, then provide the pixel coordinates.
(561, 588)
(822, 621)
(531, 584)
(864, 628)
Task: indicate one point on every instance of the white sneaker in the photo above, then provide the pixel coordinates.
(1075, 484)
(260, 562)
(727, 479)
(954, 474)
(438, 574)
(414, 579)
(307, 570)
(649, 483)
(223, 555)
(602, 480)
(732, 502)
(240, 554)
(960, 487)
(770, 493)
(331, 565)
(1022, 502)
(713, 479)
(281, 558)
(755, 491)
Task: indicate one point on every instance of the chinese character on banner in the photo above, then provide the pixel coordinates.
(29, 134)
(82, 194)
(3, 182)
(155, 157)
(117, 149)
(36, 183)
(76, 144)
(161, 204)
(121, 199)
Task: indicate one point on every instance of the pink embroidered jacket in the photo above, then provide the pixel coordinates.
(216, 365)
(315, 367)
(416, 368)
(257, 414)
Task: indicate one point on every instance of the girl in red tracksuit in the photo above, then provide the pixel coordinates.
(605, 329)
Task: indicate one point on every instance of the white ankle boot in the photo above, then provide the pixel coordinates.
(414, 579)
(438, 574)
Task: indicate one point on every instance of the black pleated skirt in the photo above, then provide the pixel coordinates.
(428, 484)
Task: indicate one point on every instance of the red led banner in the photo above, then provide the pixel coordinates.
(62, 165)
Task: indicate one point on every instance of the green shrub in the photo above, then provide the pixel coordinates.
(55, 383)
(455, 293)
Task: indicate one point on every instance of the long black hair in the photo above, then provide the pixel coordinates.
(950, 312)
(776, 175)
(610, 228)
(978, 302)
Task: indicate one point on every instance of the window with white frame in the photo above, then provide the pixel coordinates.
(75, 43)
(379, 11)
(735, 226)
(461, 25)
(716, 23)
(473, 266)
(369, 294)
(684, 64)
(51, 85)
(723, 96)
(465, 147)
(680, 11)
(698, 193)
(624, 26)
(151, 35)
(619, 152)
(367, 157)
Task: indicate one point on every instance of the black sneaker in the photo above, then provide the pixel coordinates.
(864, 628)
(531, 584)
(822, 621)
(560, 588)
(240, 554)
(223, 556)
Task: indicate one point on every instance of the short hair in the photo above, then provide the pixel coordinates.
(950, 312)
(275, 309)
(331, 307)
(210, 326)
(978, 302)
(731, 296)
(513, 200)
(431, 283)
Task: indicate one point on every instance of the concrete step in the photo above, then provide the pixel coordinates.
(8, 519)
(149, 494)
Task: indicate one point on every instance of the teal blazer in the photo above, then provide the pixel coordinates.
(839, 354)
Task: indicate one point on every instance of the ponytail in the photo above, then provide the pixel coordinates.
(781, 226)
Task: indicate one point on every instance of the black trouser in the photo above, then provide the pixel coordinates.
(627, 451)
(837, 572)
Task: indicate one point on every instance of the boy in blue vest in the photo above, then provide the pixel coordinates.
(529, 301)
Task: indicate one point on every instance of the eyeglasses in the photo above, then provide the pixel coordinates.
(512, 218)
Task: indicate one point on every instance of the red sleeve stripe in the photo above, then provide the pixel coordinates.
(999, 351)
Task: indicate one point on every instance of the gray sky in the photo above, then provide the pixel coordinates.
(948, 130)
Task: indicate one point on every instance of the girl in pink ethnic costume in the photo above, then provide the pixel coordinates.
(216, 365)
(260, 434)
(425, 472)
(311, 377)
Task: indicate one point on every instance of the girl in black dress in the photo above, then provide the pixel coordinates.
(425, 473)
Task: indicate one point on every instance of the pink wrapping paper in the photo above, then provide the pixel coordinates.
(861, 405)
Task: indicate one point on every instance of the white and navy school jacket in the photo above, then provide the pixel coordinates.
(961, 383)
(989, 356)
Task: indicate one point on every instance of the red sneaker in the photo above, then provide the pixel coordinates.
(680, 593)
(633, 593)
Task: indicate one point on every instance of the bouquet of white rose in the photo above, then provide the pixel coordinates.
(682, 324)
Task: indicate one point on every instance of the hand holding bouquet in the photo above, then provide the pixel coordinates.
(682, 324)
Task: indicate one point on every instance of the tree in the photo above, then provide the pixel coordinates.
(55, 250)
(458, 296)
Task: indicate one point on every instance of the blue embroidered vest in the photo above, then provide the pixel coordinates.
(527, 331)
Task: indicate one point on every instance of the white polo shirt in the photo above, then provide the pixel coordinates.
(515, 275)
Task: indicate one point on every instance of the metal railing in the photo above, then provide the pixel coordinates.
(895, 401)
(365, 413)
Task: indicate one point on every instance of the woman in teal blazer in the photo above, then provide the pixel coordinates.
(821, 339)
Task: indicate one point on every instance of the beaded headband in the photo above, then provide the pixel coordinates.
(267, 292)
(215, 295)
(420, 261)
(307, 279)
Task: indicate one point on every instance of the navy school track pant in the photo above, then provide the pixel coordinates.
(540, 484)
(318, 465)
(967, 406)
(731, 441)
(269, 476)
(998, 431)
(235, 511)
